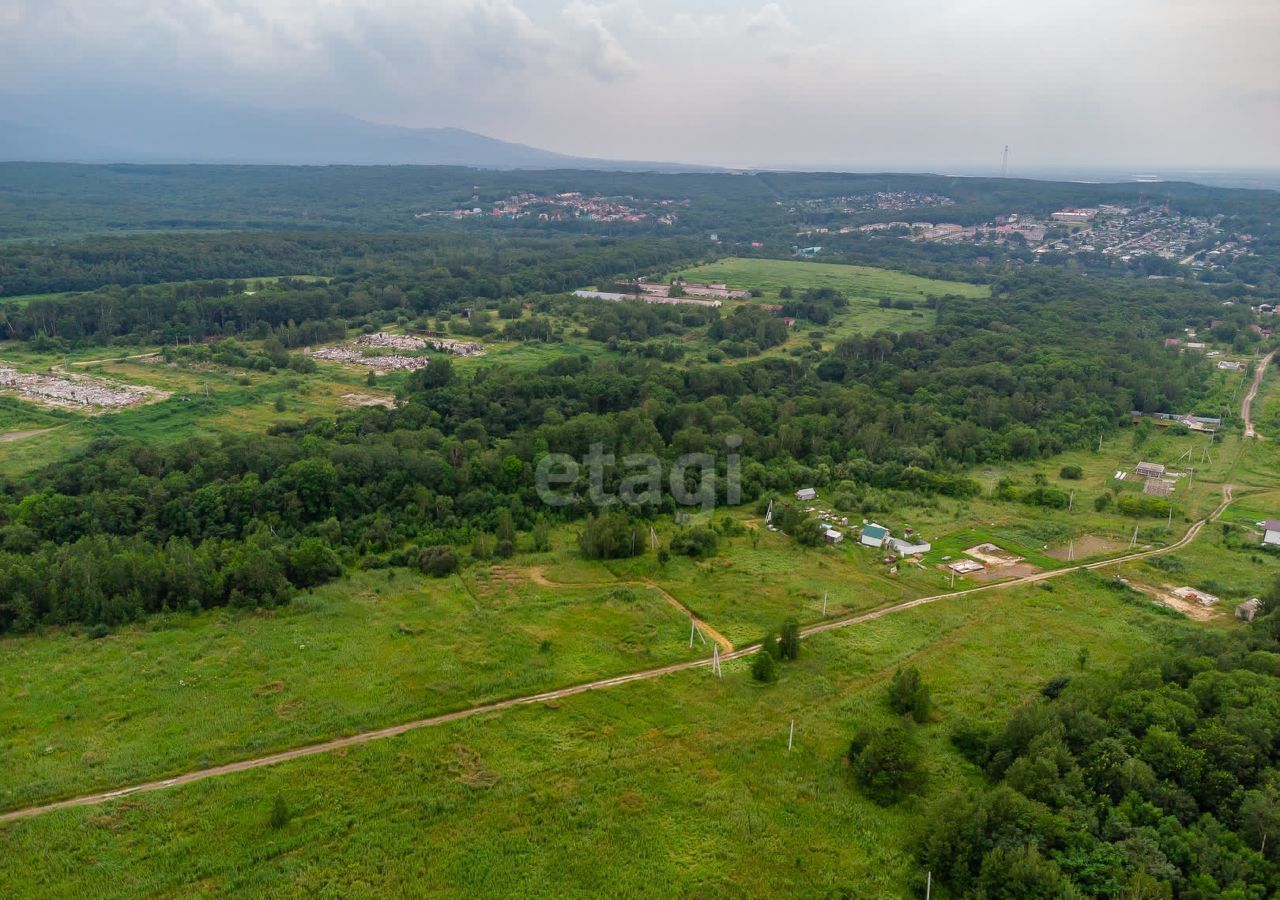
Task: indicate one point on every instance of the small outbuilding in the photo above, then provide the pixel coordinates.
(873, 535)
(1271, 532)
(806, 494)
(909, 547)
(833, 536)
(1150, 470)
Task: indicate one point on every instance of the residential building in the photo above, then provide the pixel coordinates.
(873, 535)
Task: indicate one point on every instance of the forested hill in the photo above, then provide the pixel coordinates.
(41, 200)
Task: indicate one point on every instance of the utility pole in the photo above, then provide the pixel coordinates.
(824, 604)
(792, 737)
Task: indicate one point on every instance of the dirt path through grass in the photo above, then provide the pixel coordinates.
(538, 575)
(365, 737)
(1246, 407)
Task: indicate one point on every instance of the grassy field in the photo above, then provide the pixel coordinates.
(865, 287)
(679, 786)
(224, 661)
(771, 275)
(182, 690)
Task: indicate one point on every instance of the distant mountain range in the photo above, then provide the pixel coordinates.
(121, 126)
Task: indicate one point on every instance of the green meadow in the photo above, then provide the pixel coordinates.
(678, 786)
(771, 275)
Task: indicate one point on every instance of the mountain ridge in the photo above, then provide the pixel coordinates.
(129, 126)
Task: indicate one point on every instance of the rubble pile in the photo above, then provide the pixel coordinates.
(461, 348)
(55, 391)
(381, 364)
(384, 341)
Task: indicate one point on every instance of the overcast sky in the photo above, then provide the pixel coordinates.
(832, 83)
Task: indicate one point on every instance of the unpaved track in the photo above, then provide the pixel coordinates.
(1246, 408)
(365, 737)
(538, 575)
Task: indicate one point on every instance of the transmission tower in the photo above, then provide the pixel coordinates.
(1004, 163)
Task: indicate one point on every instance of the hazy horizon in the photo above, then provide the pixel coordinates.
(805, 84)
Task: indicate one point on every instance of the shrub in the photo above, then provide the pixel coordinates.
(763, 666)
(610, 536)
(1071, 473)
(280, 814)
(697, 542)
(438, 561)
(887, 765)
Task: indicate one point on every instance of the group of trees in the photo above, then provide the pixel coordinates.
(1159, 779)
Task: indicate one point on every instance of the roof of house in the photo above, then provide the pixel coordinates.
(1271, 524)
(874, 531)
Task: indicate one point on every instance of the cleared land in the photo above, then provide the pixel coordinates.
(771, 275)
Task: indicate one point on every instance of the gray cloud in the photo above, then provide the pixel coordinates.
(915, 83)
(599, 50)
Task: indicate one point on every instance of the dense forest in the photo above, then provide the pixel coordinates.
(1158, 780)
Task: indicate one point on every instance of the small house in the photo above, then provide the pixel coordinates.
(833, 536)
(873, 535)
(1150, 470)
(806, 494)
(1271, 532)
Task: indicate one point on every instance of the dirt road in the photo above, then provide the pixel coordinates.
(366, 737)
(538, 575)
(1246, 408)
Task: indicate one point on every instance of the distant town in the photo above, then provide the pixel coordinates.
(1114, 231)
(566, 207)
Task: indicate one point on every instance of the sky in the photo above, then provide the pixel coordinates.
(902, 84)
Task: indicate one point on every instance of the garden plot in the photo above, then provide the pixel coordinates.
(80, 392)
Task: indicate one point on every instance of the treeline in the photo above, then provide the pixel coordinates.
(432, 275)
(1159, 780)
(515, 261)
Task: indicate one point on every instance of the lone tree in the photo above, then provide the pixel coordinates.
(887, 765)
(908, 695)
(789, 643)
(763, 667)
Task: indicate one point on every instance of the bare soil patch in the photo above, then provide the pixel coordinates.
(1008, 570)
